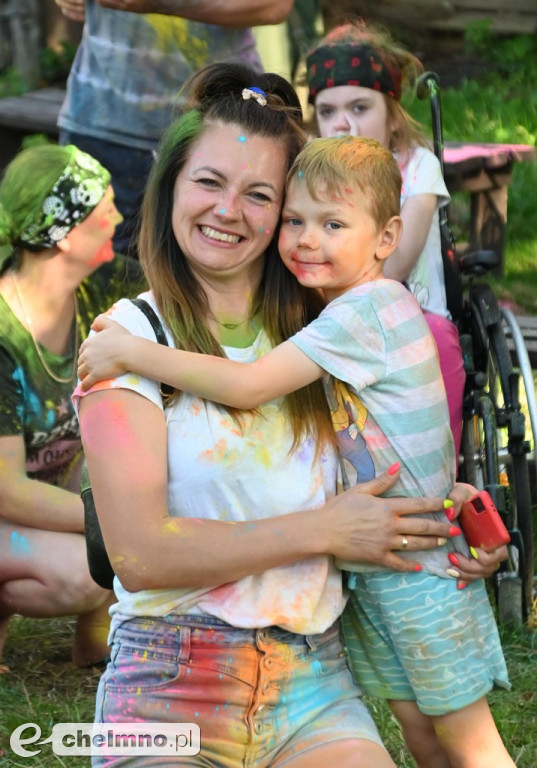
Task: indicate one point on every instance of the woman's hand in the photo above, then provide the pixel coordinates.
(482, 564)
(368, 529)
(103, 356)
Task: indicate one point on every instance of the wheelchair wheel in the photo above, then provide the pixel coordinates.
(503, 386)
(481, 468)
(508, 599)
(479, 447)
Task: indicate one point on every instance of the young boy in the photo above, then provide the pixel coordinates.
(417, 640)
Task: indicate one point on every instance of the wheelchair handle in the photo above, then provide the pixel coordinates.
(425, 84)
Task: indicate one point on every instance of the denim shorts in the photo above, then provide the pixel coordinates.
(261, 697)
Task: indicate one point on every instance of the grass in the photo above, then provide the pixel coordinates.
(43, 687)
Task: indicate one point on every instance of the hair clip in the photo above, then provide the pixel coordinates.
(255, 93)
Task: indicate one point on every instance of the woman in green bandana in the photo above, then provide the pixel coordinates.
(57, 271)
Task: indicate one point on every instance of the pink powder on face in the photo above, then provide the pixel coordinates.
(104, 254)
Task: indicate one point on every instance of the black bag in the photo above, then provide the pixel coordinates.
(100, 569)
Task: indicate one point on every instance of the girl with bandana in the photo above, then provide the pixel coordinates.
(356, 75)
(57, 271)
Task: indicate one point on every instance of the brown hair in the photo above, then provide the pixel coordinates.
(214, 96)
(336, 163)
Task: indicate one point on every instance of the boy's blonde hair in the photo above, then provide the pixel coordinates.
(334, 164)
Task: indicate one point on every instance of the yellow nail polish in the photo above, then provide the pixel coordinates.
(441, 541)
(448, 504)
(453, 572)
(474, 553)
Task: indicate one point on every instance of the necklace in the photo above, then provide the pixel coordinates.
(233, 326)
(46, 366)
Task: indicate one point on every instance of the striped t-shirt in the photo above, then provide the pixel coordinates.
(386, 394)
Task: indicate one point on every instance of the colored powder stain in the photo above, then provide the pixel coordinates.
(177, 35)
(300, 174)
(267, 231)
(262, 229)
(196, 714)
(19, 545)
(220, 677)
(220, 453)
(222, 210)
(230, 660)
(242, 139)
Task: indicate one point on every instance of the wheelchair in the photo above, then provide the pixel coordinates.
(496, 453)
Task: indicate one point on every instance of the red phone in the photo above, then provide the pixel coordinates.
(482, 524)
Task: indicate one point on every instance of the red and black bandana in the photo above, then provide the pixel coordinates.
(352, 64)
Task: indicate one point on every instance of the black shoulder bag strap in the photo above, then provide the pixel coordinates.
(98, 561)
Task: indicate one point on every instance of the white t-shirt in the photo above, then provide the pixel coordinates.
(422, 175)
(217, 473)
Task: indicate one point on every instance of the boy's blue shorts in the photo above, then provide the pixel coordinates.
(417, 637)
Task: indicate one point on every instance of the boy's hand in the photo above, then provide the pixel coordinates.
(103, 356)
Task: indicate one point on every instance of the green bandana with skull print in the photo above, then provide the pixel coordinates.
(79, 188)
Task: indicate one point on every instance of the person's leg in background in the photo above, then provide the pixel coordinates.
(129, 169)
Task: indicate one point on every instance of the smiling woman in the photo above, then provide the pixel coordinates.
(224, 216)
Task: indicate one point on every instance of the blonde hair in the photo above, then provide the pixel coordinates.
(335, 163)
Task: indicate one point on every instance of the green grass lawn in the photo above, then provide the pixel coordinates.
(43, 687)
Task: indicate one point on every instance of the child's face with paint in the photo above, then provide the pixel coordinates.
(331, 241)
(227, 200)
(91, 240)
(351, 110)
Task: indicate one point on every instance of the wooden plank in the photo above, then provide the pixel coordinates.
(32, 112)
(496, 6)
(504, 23)
(528, 327)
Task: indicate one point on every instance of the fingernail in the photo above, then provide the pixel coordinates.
(418, 568)
(441, 541)
(453, 558)
(474, 554)
(448, 504)
(462, 584)
(453, 572)
(450, 514)
(454, 531)
(394, 468)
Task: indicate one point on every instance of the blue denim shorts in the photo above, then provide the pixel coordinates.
(260, 697)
